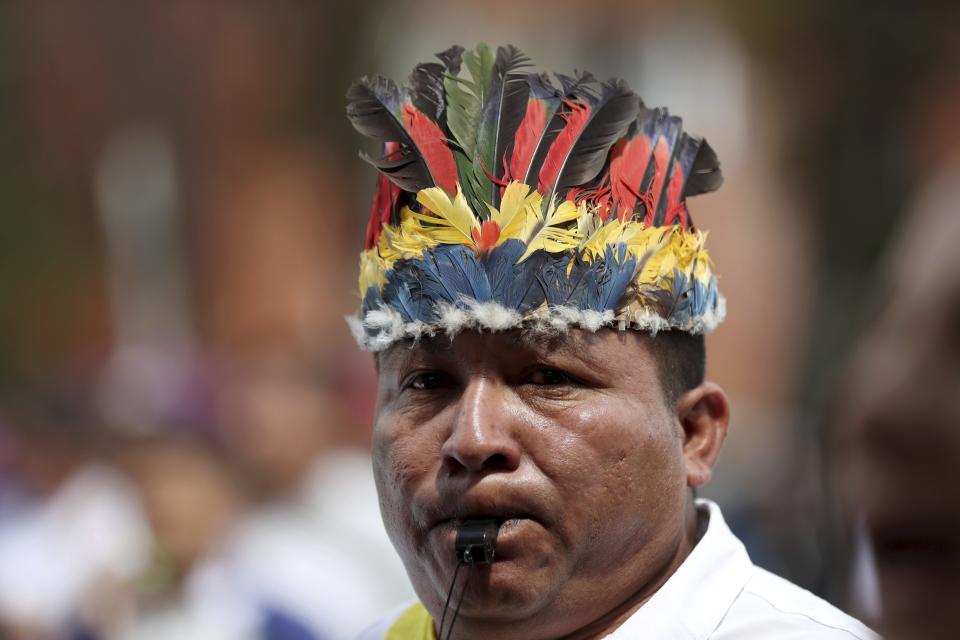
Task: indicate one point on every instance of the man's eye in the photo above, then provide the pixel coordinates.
(549, 377)
(426, 381)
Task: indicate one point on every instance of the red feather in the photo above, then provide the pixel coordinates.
(486, 236)
(577, 119)
(678, 215)
(604, 202)
(380, 211)
(384, 200)
(526, 138)
(675, 209)
(661, 156)
(432, 144)
(628, 164)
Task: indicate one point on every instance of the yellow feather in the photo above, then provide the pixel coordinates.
(452, 221)
(552, 238)
(385, 247)
(587, 222)
(666, 245)
(413, 238)
(371, 273)
(517, 216)
(607, 234)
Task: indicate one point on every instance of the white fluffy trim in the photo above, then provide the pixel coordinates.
(382, 327)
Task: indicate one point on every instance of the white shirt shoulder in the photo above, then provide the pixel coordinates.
(719, 594)
(769, 604)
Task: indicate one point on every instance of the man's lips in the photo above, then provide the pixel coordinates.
(503, 503)
(502, 519)
(512, 530)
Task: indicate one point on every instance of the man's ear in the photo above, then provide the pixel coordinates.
(704, 414)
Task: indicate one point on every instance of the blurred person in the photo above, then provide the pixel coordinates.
(535, 293)
(899, 428)
(312, 540)
(77, 534)
(195, 586)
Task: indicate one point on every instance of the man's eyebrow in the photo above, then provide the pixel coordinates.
(432, 345)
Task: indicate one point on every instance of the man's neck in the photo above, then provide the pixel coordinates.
(613, 619)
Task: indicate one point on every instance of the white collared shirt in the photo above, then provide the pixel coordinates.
(719, 594)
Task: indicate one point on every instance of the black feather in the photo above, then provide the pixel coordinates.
(613, 113)
(426, 89)
(452, 59)
(503, 109)
(374, 109)
(705, 175)
(406, 169)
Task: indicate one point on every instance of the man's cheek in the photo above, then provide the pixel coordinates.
(398, 467)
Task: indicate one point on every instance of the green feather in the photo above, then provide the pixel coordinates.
(465, 100)
(481, 65)
(463, 112)
(468, 183)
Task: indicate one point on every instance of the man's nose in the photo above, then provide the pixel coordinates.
(482, 438)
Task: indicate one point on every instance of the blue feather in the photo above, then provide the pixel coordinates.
(585, 291)
(712, 296)
(452, 272)
(614, 276)
(406, 297)
(513, 285)
(553, 279)
(578, 289)
(683, 293)
(371, 300)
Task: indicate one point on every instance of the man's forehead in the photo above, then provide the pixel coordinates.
(570, 341)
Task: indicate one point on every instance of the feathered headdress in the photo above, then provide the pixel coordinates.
(505, 201)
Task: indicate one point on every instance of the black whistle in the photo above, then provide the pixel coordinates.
(476, 541)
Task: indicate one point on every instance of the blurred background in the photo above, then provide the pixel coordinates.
(183, 414)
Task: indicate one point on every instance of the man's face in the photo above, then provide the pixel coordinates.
(569, 443)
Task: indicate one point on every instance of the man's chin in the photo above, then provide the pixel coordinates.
(508, 589)
(505, 590)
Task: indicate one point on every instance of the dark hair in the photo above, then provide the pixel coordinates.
(681, 362)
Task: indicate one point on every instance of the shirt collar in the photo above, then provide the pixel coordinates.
(698, 595)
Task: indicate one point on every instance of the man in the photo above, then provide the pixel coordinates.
(536, 295)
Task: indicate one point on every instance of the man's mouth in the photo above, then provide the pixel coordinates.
(504, 521)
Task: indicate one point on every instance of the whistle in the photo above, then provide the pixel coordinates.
(476, 541)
